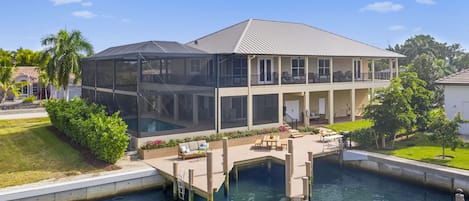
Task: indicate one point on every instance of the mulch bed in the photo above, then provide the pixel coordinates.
(84, 152)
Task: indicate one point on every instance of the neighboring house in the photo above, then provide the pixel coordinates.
(27, 74)
(30, 74)
(456, 88)
(251, 75)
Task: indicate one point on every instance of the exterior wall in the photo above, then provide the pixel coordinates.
(314, 101)
(361, 100)
(457, 100)
(342, 103)
(313, 65)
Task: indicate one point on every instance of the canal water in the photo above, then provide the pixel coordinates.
(331, 183)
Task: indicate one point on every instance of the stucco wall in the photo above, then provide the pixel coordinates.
(457, 100)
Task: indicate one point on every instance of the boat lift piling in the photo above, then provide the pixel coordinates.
(209, 176)
(175, 185)
(225, 166)
(191, 184)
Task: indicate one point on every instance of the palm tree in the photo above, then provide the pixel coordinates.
(66, 50)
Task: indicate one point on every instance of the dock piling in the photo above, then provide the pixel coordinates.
(225, 165)
(459, 196)
(175, 185)
(191, 184)
(305, 188)
(311, 160)
(290, 151)
(210, 176)
(288, 175)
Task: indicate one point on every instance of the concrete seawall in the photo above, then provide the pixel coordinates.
(89, 188)
(444, 178)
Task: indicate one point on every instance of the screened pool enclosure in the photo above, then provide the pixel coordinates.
(159, 87)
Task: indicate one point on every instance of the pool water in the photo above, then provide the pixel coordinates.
(331, 183)
(151, 125)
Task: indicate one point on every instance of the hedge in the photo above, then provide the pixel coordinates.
(88, 125)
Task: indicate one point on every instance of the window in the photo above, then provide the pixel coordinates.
(240, 66)
(323, 66)
(195, 66)
(298, 67)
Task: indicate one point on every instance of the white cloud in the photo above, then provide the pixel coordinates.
(87, 4)
(84, 14)
(62, 2)
(396, 28)
(428, 2)
(383, 7)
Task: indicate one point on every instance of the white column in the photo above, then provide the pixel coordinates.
(218, 120)
(372, 69)
(280, 108)
(195, 109)
(306, 109)
(249, 108)
(372, 94)
(352, 107)
(397, 67)
(331, 106)
(353, 70)
(331, 71)
(176, 107)
(279, 70)
(306, 69)
(390, 69)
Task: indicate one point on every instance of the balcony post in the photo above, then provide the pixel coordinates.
(373, 70)
(353, 70)
(331, 70)
(352, 107)
(280, 108)
(249, 108)
(390, 69)
(306, 109)
(397, 67)
(306, 69)
(331, 106)
(279, 71)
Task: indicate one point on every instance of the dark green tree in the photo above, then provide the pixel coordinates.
(445, 131)
(391, 111)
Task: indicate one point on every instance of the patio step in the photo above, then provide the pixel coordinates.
(293, 131)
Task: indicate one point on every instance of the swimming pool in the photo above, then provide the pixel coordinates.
(151, 125)
(331, 183)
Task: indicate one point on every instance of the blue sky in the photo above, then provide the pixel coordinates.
(107, 23)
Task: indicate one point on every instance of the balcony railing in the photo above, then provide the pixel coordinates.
(382, 76)
(264, 79)
(363, 77)
(197, 80)
(233, 81)
(290, 79)
(315, 78)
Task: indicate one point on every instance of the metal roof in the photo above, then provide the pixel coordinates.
(459, 78)
(284, 38)
(149, 48)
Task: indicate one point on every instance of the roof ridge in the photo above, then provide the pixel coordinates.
(158, 45)
(363, 43)
(242, 35)
(206, 36)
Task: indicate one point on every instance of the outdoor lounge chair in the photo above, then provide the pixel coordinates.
(258, 144)
(193, 149)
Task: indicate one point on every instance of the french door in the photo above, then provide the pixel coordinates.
(357, 69)
(265, 71)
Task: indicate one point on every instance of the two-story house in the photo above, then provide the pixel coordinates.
(254, 74)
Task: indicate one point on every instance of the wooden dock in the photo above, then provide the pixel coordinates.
(242, 154)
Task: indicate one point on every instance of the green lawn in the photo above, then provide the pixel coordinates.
(30, 153)
(420, 148)
(350, 126)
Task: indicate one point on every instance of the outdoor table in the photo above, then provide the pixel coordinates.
(271, 141)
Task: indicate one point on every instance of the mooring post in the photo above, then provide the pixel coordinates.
(210, 175)
(225, 166)
(341, 152)
(311, 160)
(175, 180)
(288, 175)
(191, 184)
(290, 151)
(459, 196)
(305, 188)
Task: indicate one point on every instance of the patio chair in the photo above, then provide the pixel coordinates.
(258, 144)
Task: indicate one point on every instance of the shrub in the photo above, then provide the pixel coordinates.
(364, 137)
(29, 99)
(309, 129)
(88, 125)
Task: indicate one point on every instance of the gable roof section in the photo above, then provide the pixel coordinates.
(284, 38)
(149, 48)
(459, 78)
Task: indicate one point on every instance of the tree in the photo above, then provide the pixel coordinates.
(66, 50)
(445, 131)
(420, 99)
(391, 112)
(27, 57)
